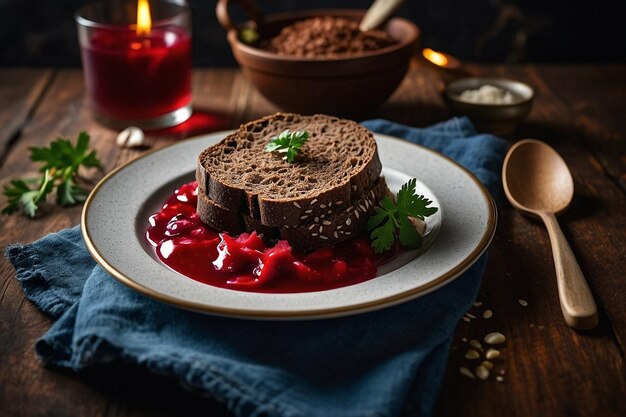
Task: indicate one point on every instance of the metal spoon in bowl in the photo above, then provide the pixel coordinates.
(378, 13)
(537, 181)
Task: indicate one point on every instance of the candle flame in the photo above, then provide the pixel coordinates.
(435, 57)
(144, 20)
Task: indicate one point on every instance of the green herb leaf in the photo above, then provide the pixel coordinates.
(69, 194)
(413, 205)
(288, 143)
(14, 193)
(408, 236)
(383, 236)
(61, 154)
(390, 216)
(59, 163)
(21, 195)
(248, 35)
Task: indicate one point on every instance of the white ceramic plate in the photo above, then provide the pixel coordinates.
(116, 213)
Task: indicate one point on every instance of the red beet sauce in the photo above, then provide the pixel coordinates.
(186, 245)
(132, 76)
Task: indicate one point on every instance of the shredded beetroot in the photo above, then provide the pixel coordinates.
(245, 262)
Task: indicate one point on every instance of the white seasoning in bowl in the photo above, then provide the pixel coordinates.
(488, 94)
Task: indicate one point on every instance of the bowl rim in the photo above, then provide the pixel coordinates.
(276, 17)
(448, 94)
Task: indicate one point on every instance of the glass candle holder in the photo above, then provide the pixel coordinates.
(137, 61)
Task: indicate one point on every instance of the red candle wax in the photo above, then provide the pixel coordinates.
(131, 76)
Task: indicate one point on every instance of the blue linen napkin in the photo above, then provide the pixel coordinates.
(384, 363)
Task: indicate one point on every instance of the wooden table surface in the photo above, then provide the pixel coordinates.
(548, 369)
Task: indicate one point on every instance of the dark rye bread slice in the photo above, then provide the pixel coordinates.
(324, 230)
(336, 165)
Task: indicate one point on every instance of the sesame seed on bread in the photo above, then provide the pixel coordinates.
(326, 229)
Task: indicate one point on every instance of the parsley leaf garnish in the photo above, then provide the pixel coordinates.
(389, 217)
(59, 164)
(288, 142)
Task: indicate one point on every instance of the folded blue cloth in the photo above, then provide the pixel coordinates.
(384, 363)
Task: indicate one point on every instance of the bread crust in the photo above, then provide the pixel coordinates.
(336, 165)
(326, 229)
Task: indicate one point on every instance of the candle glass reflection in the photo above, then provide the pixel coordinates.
(137, 73)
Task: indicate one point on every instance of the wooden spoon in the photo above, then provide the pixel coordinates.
(537, 181)
(379, 13)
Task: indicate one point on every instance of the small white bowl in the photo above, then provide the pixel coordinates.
(495, 118)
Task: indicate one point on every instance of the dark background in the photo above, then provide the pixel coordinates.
(42, 32)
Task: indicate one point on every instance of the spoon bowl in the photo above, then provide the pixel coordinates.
(537, 179)
(537, 182)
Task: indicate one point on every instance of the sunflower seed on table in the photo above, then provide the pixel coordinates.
(472, 354)
(465, 371)
(475, 343)
(131, 137)
(492, 353)
(487, 314)
(487, 365)
(495, 338)
(482, 372)
(522, 302)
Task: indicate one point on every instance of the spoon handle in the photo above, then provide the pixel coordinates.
(378, 13)
(577, 304)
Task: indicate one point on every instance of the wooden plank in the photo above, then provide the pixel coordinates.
(595, 96)
(20, 89)
(597, 216)
(549, 368)
(418, 100)
(223, 92)
(254, 105)
(28, 389)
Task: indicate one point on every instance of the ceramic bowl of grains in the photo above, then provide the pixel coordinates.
(317, 61)
(495, 105)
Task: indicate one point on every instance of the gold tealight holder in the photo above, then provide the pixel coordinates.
(446, 66)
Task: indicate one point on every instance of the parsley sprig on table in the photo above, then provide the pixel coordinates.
(390, 216)
(60, 163)
(288, 142)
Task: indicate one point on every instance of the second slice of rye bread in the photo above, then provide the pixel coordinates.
(337, 165)
(328, 228)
